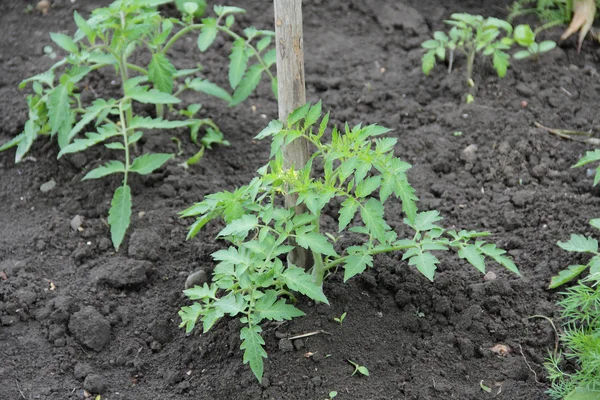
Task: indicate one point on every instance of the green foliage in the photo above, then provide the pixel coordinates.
(581, 343)
(340, 319)
(470, 35)
(107, 39)
(525, 37)
(547, 11)
(360, 173)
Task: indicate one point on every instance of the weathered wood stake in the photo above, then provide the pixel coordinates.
(291, 95)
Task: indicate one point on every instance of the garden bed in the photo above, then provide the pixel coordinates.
(484, 166)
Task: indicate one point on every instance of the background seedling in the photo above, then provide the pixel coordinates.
(470, 35)
(341, 319)
(525, 37)
(359, 368)
(332, 395)
(250, 278)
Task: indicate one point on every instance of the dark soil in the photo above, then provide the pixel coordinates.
(74, 314)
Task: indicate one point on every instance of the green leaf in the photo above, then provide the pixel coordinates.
(207, 87)
(29, 135)
(252, 344)
(589, 157)
(225, 10)
(428, 62)
(584, 392)
(356, 264)
(147, 163)
(160, 73)
(152, 96)
(523, 35)
(595, 222)
(426, 263)
(566, 275)
(474, 256)
(203, 292)
(263, 43)
(297, 279)
(347, 212)
(298, 114)
(317, 243)
(112, 167)
(139, 122)
(268, 307)
(84, 27)
(208, 33)
(501, 61)
(497, 254)
(104, 132)
(47, 78)
(238, 62)
(65, 42)
(210, 317)
(59, 114)
(368, 186)
(240, 227)
(372, 216)
(313, 114)
(12, 142)
(91, 113)
(189, 316)
(425, 221)
(521, 55)
(273, 128)
(407, 194)
(547, 45)
(232, 304)
(579, 243)
(119, 215)
(249, 82)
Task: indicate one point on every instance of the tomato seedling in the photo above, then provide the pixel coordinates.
(361, 369)
(360, 173)
(340, 319)
(525, 37)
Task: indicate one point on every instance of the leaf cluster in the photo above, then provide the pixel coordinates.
(524, 36)
(547, 11)
(470, 35)
(360, 173)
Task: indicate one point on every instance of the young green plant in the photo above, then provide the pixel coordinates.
(470, 35)
(361, 369)
(340, 319)
(360, 174)
(525, 37)
(109, 39)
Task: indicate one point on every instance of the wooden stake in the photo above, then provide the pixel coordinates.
(291, 95)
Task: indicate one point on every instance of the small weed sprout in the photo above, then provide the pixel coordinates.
(525, 37)
(340, 319)
(470, 35)
(333, 394)
(359, 368)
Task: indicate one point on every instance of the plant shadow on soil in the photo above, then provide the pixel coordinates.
(419, 340)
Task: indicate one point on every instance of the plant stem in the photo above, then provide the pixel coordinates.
(373, 252)
(470, 61)
(124, 126)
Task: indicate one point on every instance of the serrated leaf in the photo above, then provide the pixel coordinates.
(189, 316)
(347, 211)
(147, 163)
(104, 132)
(497, 254)
(29, 135)
(207, 87)
(210, 317)
(91, 113)
(407, 195)
(139, 122)
(208, 33)
(297, 279)
(428, 62)
(65, 42)
(317, 243)
(425, 221)
(566, 275)
(252, 344)
(501, 61)
(84, 27)
(275, 310)
(203, 292)
(263, 43)
(232, 304)
(273, 128)
(152, 96)
(197, 226)
(580, 243)
(372, 216)
(241, 226)
(119, 215)
(426, 263)
(46, 78)
(112, 167)
(249, 82)
(59, 114)
(298, 114)
(238, 62)
(357, 264)
(160, 72)
(368, 186)
(473, 255)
